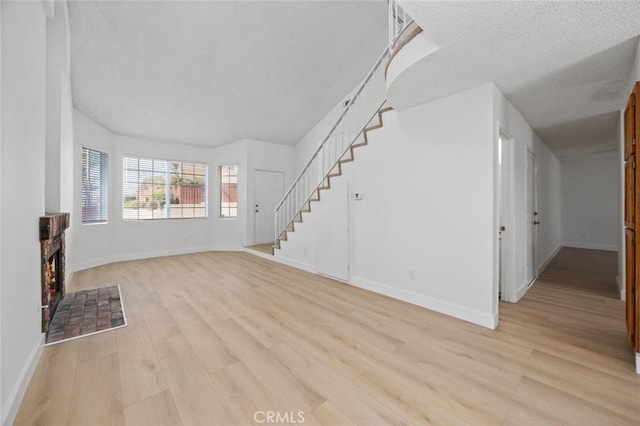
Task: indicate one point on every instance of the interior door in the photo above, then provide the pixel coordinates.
(629, 192)
(269, 188)
(333, 234)
(631, 206)
(532, 214)
(630, 284)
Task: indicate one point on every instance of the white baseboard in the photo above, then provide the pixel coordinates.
(68, 275)
(466, 314)
(223, 248)
(521, 291)
(283, 260)
(621, 288)
(548, 259)
(447, 308)
(290, 262)
(638, 362)
(14, 400)
(589, 246)
(258, 253)
(151, 254)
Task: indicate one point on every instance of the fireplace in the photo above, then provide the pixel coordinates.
(52, 255)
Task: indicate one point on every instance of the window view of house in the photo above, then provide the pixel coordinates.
(161, 189)
(229, 191)
(95, 186)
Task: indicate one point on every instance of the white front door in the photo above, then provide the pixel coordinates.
(269, 188)
(532, 219)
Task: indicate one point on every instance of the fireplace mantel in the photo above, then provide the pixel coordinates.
(52, 225)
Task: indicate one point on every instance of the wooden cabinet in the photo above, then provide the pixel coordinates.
(630, 285)
(630, 193)
(631, 206)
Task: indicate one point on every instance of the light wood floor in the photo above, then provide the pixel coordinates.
(215, 337)
(264, 248)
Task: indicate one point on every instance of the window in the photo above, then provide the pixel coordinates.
(95, 186)
(229, 190)
(160, 189)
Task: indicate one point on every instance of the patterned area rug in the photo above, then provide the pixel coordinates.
(87, 312)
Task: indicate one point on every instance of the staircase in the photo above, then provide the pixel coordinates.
(335, 172)
(362, 114)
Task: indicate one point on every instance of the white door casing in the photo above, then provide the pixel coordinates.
(531, 215)
(333, 243)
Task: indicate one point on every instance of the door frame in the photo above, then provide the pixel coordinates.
(531, 256)
(255, 192)
(504, 190)
(341, 191)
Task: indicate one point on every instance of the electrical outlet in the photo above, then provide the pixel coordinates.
(412, 274)
(186, 239)
(304, 251)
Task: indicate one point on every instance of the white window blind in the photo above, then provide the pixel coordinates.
(95, 186)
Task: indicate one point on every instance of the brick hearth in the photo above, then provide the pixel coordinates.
(85, 312)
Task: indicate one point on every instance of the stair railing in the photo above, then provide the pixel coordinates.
(359, 111)
(398, 22)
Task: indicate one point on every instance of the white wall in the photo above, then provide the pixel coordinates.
(67, 182)
(549, 204)
(118, 239)
(306, 146)
(122, 240)
(59, 135)
(23, 149)
(590, 201)
(548, 195)
(428, 192)
(429, 205)
(2, 398)
(93, 242)
(58, 61)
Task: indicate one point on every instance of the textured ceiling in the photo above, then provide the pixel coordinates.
(209, 73)
(583, 136)
(564, 65)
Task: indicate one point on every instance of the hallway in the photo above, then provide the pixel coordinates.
(574, 321)
(586, 271)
